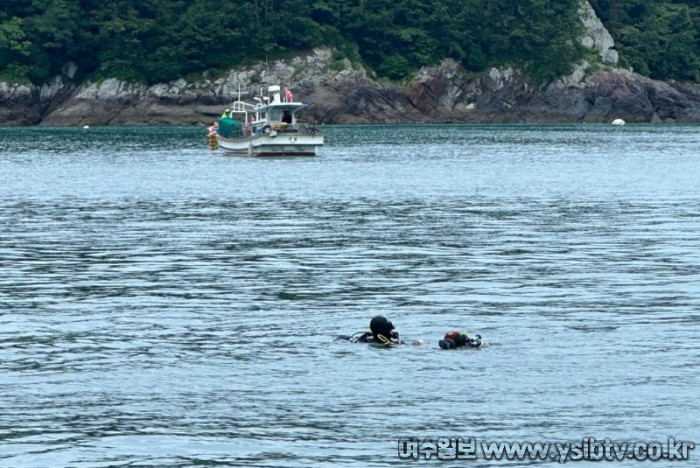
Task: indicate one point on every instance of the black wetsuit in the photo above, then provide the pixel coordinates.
(462, 340)
(367, 337)
(382, 332)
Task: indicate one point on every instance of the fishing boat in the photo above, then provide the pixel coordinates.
(267, 127)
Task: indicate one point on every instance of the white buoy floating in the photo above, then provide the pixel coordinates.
(619, 122)
(86, 127)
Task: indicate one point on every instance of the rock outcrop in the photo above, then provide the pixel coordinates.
(596, 36)
(342, 92)
(507, 95)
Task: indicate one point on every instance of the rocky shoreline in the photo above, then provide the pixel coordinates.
(340, 92)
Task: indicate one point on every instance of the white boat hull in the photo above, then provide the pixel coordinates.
(282, 144)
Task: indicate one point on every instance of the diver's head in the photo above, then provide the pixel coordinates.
(382, 326)
(453, 339)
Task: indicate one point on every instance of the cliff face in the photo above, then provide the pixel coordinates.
(596, 36)
(507, 95)
(342, 93)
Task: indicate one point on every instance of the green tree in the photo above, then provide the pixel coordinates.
(160, 40)
(660, 39)
(14, 50)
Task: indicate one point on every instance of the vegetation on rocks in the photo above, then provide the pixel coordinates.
(161, 40)
(658, 38)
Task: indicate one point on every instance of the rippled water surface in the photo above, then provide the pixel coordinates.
(163, 305)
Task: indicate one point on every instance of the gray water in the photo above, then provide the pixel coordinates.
(163, 305)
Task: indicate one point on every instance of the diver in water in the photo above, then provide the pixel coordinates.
(455, 339)
(382, 332)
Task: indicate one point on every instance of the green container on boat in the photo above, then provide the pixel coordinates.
(229, 128)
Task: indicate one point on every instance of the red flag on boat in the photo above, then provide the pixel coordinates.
(288, 94)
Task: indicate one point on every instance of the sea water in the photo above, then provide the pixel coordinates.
(165, 305)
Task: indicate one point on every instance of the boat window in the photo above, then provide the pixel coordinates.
(287, 117)
(275, 115)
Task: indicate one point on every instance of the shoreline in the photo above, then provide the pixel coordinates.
(351, 95)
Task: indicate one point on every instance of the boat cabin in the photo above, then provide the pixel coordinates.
(271, 112)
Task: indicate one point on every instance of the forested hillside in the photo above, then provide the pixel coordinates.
(658, 38)
(160, 40)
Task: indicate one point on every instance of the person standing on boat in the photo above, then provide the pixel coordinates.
(226, 114)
